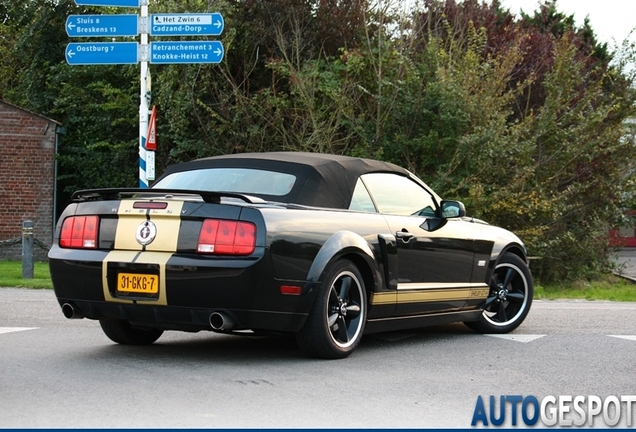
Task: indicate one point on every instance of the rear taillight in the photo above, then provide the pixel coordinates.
(225, 237)
(79, 232)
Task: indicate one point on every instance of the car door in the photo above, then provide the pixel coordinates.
(434, 254)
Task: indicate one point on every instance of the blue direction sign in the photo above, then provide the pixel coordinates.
(102, 25)
(92, 53)
(186, 52)
(123, 3)
(194, 24)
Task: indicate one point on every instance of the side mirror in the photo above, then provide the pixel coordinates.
(452, 209)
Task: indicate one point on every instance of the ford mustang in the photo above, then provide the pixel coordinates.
(322, 247)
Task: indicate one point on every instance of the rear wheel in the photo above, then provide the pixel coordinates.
(509, 299)
(122, 332)
(335, 324)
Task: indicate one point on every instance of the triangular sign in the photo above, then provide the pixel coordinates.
(151, 141)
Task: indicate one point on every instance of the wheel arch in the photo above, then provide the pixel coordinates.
(365, 270)
(515, 249)
(347, 245)
(512, 248)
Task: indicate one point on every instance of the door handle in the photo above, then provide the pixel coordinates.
(404, 235)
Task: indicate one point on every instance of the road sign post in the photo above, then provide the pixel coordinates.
(165, 52)
(143, 107)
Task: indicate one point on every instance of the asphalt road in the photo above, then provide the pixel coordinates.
(60, 373)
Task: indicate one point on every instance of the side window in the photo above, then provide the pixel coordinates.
(397, 195)
(361, 201)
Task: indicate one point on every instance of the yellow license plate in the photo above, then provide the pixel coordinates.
(138, 283)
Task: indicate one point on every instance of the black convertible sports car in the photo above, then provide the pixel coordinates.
(319, 246)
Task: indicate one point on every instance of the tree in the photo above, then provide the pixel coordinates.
(99, 106)
(553, 159)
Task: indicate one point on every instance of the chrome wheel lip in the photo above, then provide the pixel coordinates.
(341, 306)
(502, 293)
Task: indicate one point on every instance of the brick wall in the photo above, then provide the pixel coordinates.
(27, 177)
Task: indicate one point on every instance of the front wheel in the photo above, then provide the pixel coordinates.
(335, 324)
(122, 332)
(509, 299)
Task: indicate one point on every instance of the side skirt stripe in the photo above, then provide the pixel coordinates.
(424, 293)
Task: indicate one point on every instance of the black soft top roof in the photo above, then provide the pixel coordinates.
(322, 180)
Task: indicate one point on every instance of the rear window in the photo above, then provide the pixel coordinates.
(239, 180)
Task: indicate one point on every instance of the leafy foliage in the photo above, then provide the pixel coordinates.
(99, 145)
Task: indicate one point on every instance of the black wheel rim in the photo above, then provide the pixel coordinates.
(345, 309)
(508, 295)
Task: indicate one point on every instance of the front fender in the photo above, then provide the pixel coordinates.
(505, 243)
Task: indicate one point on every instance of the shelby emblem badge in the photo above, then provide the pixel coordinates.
(146, 233)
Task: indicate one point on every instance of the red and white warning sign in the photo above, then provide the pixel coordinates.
(151, 140)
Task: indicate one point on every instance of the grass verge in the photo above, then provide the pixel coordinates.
(608, 287)
(11, 275)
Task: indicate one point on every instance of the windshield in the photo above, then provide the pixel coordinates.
(239, 180)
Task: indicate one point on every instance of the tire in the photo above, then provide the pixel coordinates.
(510, 297)
(122, 332)
(336, 322)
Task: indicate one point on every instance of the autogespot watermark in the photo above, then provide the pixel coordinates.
(564, 410)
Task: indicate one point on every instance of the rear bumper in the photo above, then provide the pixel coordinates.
(191, 289)
(186, 318)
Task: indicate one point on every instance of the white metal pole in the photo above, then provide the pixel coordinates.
(143, 103)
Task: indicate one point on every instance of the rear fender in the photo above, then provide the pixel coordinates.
(340, 244)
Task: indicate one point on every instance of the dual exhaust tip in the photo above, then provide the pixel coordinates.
(219, 321)
(71, 311)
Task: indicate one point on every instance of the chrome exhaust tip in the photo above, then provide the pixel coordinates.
(71, 311)
(221, 321)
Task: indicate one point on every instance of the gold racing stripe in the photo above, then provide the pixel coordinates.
(433, 295)
(159, 251)
(383, 298)
(127, 223)
(160, 258)
(166, 220)
(453, 292)
(167, 231)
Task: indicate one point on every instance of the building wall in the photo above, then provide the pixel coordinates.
(27, 177)
(624, 236)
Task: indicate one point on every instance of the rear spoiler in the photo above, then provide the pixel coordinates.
(121, 193)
